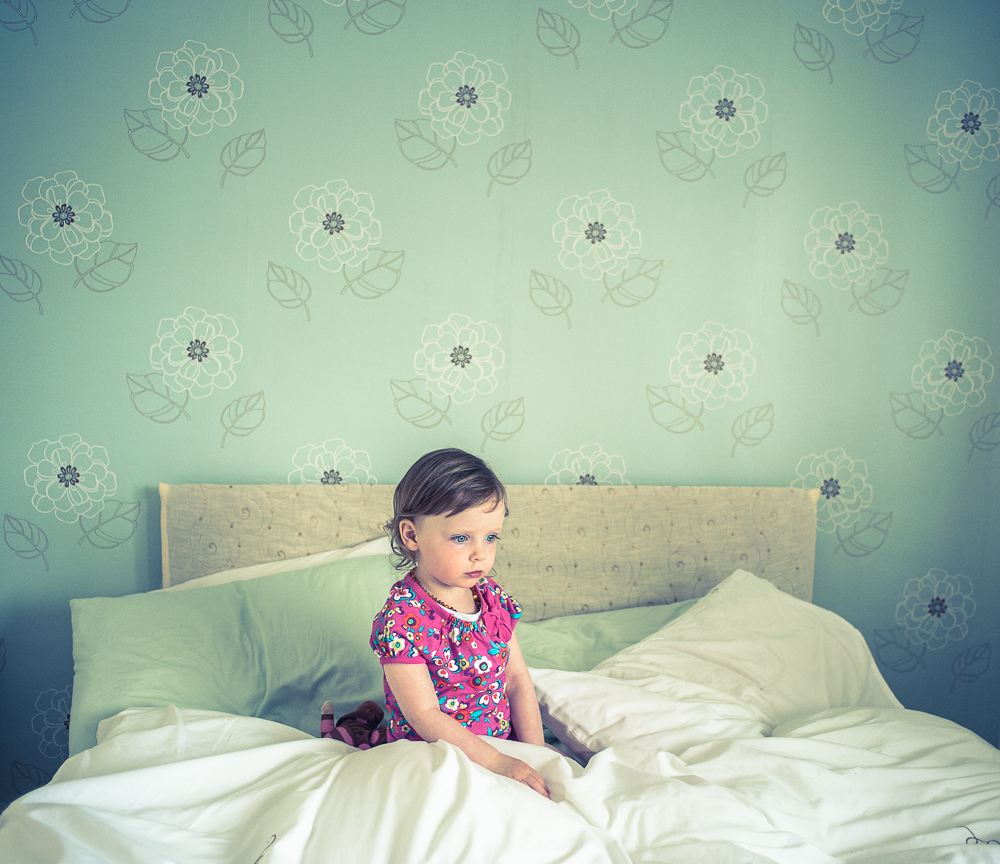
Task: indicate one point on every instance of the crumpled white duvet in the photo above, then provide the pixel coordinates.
(880, 786)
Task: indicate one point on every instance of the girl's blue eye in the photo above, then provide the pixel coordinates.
(492, 538)
(460, 538)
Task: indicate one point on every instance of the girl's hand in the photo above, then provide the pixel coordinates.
(508, 766)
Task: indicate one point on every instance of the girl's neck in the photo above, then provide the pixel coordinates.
(456, 599)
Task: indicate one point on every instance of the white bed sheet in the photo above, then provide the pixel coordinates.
(878, 786)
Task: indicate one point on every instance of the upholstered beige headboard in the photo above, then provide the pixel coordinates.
(564, 549)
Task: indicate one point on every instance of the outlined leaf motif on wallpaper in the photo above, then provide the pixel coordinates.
(671, 411)
(16, 16)
(971, 664)
(644, 25)
(242, 416)
(764, 177)
(112, 526)
(635, 284)
(20, 281)
(896, 652)
(110, 268)
(509, 164)
(800, 304)
(912, 417)
(814, 50)
(375, 276)
(152, 137)
(879, 299)
(422, 146)
(376, 17)
(24, 777)
(985, 434)
(100, 12)
(551, 296)
(502, 422)
(928, 170)
(25, 539)
(288, 287)
(753, 426)
(243, 155)
(682, 157)
(992, 195)
(897, 40)
(290, 22)
(557, 35)
(866, 535)
(417, 405)
(153, 399)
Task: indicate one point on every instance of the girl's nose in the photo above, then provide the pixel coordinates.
(478, 552)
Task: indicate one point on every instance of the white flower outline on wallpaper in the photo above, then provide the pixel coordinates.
(596, 234)
(64, 216)
(603, 9)
(966, 127)
(331, 463)
(860, 15)
(459, 358)
(846, 245)
(844, 490)
(196, 352)
(935, 608)
(336, 226)
(953, 372)
(52, 722)
(588, 466)
(465, 98)
(196, 87)
(69, 478)
(712, 365)
(724, 111)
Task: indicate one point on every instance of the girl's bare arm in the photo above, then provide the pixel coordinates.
(524, 714)
(411, 684)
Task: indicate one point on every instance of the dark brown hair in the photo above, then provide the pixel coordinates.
(444, 482)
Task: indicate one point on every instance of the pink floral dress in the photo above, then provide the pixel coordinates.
(467, 661)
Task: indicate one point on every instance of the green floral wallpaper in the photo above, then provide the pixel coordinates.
(746, 242)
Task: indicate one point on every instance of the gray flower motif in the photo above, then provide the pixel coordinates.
(935, 608)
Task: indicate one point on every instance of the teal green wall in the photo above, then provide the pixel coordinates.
(834, 366)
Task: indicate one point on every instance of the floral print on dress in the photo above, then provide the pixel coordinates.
(467, 661)
(935, 609)
(846, 245)
(52, 722)
(331, 463)
(857, 16)
(65, 217)
(844, 490)
(603, 9)
(953, 372)
(459, 358)
(335, 225)
(69, 478)
(712, 365)
(596, 234)
(588, 466)
(465, 98)
(196, 352)
(724, 111)
(966, 127)
(196, 87)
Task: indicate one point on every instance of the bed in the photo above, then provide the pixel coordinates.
(705, 709)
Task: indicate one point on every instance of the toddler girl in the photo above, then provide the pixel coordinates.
(452, 667)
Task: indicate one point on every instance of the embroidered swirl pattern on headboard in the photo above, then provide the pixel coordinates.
(565, 549)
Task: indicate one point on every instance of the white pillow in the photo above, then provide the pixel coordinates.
(379, 546)
(745, 659)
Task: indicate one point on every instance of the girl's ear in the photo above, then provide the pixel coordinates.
(408, 534)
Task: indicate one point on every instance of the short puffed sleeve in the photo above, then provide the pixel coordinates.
(398, 630)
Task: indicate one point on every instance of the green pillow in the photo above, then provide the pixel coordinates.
(577, 643)
(274, 647)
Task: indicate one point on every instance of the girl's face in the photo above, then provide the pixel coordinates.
(454, 551)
